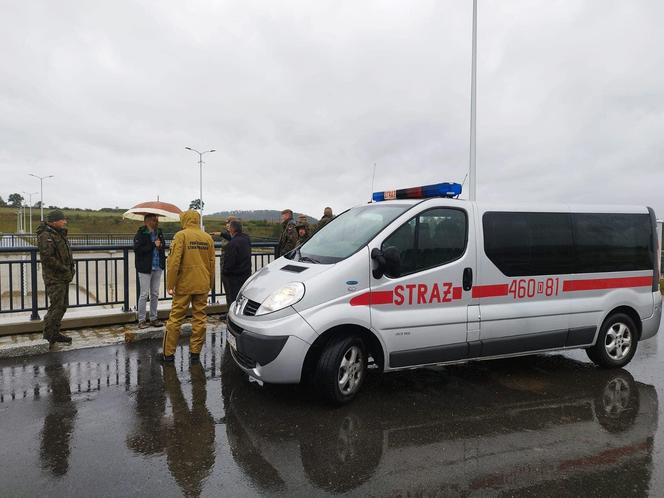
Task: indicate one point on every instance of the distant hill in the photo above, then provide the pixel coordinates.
(271, 215)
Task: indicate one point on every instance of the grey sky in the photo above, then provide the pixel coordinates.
(300, 98)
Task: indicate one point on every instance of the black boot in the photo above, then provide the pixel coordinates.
(165, 359)
(61, 338)
(194, 358)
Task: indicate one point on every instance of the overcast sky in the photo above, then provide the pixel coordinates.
(301, 98)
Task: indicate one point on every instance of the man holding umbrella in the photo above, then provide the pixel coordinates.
(150, 252)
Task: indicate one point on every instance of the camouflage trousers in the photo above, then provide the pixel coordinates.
(58, 300)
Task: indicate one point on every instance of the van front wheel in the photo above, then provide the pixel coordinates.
(341, 369)
(616, 342)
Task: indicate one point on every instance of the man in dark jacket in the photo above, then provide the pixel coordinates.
(57, 271)
(236, 267)
(288, 239)
(150, 254)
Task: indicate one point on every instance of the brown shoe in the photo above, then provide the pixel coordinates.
(156, 323)
(143, 325)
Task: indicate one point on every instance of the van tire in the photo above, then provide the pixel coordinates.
(342, 356)
(618, 328)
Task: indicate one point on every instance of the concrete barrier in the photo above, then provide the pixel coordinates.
(25, 348)
(113, 317)
(153, 333)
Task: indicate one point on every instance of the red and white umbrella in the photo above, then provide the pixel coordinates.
(166, 212)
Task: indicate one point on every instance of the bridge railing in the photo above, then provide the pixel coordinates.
(105, 277)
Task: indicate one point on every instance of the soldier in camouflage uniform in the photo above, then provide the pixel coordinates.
(57, 271)
(327, 217)
(288, 239)
(302, 227)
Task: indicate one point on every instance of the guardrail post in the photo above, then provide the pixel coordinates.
(33, 285)
(125, 275)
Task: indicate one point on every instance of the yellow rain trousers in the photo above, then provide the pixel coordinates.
(190, 274)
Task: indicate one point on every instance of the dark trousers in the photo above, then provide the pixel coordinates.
(58, 300)
(235, 282)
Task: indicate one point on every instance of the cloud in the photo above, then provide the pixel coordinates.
(300, 99)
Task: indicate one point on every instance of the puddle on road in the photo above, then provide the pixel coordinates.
(113, 421)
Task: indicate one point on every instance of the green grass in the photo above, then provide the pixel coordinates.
(111, 221)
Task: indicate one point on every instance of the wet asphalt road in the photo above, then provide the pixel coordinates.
(111, 421)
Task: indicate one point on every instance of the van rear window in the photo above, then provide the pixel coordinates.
(521, 244)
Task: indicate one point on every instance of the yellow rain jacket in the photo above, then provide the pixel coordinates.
(190, 264)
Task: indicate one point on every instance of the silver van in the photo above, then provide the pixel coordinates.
(407, 283)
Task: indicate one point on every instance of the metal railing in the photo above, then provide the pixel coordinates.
(23, 240)
(105, 277)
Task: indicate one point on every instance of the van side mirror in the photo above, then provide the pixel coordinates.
(388, 262)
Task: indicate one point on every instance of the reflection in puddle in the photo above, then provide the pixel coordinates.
(543, 425)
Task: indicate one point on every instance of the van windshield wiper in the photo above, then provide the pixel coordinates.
(307, 259)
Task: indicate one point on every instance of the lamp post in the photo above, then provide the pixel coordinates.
(30, 194)
(41, 190)
(473, 111)
(200, 165)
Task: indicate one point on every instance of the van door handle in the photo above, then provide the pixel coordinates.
(467, 279)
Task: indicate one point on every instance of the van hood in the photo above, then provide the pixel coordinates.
(279, 273)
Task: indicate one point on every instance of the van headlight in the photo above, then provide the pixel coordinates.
(288, 295)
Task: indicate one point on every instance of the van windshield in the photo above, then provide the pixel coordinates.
(347, 233)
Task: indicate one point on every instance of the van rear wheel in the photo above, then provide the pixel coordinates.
(341, 369)
(616, 342)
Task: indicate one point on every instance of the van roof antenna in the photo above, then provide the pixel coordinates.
(373, 178)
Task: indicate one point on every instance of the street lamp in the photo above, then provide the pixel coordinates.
(41, 189)
(200, 165)
(30, 194)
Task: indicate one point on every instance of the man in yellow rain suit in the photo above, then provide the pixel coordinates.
(189, 277)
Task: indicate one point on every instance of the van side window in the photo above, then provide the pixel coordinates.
(521, 244)
(433, 238)
(612, 242)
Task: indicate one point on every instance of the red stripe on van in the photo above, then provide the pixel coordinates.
(369, 298)
(456, 293)
(497, 290)
(606, 283)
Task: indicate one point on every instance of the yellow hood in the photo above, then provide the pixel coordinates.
(190, 219)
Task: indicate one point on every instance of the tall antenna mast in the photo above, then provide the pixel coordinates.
(472, 184)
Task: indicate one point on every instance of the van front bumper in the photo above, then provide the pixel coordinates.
(275, 357)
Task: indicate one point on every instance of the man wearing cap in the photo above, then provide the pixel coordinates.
(288, 239)
(302, 227)
(57, 271)
(189, 278)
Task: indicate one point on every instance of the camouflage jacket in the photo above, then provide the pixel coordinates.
(55, 254)
(323, 221)
(288, 239)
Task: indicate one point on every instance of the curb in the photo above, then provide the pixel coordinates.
(113, 317)
(27, 348)
(153, 333)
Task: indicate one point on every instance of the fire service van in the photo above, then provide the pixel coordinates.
(419, 278)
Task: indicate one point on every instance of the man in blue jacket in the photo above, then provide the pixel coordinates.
(236, 267)
(150, 252)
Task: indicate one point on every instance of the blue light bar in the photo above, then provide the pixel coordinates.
(424, 192)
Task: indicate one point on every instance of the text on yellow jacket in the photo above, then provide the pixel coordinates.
(190, 263)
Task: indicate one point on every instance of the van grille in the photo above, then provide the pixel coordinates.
(251, 308)
(244, 360)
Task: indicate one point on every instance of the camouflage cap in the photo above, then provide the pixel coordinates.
(55, 215)
(302, 222)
